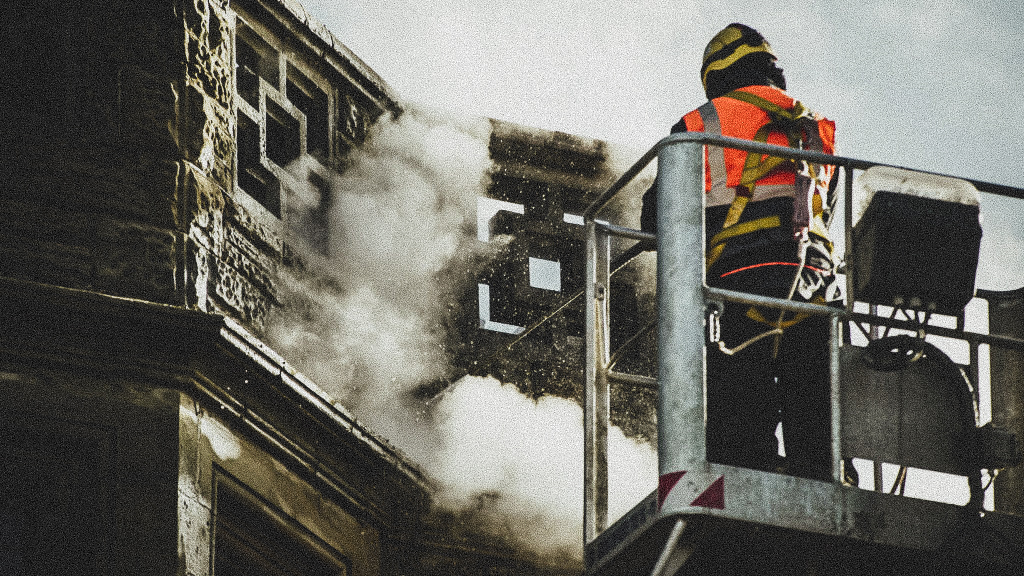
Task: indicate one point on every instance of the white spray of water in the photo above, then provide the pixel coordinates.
(362, 319)
(365, 322)
(520, 463)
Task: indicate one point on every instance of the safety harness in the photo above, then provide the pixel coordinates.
(801, 130)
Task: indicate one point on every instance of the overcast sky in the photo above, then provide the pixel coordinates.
(934, 84)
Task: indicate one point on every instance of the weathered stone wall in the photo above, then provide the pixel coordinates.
(262, 88)
(207, 146)
(124, 137)
(147, 161)
(89, 196)
(87, 482)
(142, 165)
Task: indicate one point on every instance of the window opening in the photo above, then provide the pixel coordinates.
(283, 112)
(254, 59)
(253, 177)
(284, 135)
(253, 538)
(545, 274)
(305, 95)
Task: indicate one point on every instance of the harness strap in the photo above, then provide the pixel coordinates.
(801, 130)
(798, 125)
(764, 192)
(745, 228)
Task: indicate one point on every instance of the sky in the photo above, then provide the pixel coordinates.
(917, 83)
(933, 85)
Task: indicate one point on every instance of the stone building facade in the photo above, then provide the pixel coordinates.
(147, 428)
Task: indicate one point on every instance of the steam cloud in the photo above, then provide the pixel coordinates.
(365, 321)
(363, 317)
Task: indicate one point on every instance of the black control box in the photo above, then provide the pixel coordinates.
(914, 252)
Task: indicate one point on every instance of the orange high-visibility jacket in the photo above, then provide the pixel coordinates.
(738, 119)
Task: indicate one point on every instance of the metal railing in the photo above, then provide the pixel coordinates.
(682, 300)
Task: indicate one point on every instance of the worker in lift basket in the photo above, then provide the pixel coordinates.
(765, 234)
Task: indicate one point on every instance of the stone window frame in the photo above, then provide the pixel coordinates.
(272, 130)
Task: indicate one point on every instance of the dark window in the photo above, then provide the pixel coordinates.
(273, 97)
(253, 176)
(252, 538)
(254, 59)
(284, 137)
(312, 101)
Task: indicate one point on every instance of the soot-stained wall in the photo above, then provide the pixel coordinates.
(530, 312)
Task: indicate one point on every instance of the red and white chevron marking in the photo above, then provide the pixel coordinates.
(695, 489)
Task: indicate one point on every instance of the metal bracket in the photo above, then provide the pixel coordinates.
(673, 556)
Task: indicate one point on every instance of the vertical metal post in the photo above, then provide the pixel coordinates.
(974, 369)
(681, 409)
(1006, 318)
(837, 439)
(835, 338)
(848, 233)
(596, 412)
(602, 403)
(876, 465)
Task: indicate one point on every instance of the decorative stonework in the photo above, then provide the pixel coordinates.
(248, 107)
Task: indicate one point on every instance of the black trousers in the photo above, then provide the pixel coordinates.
(777, 379)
